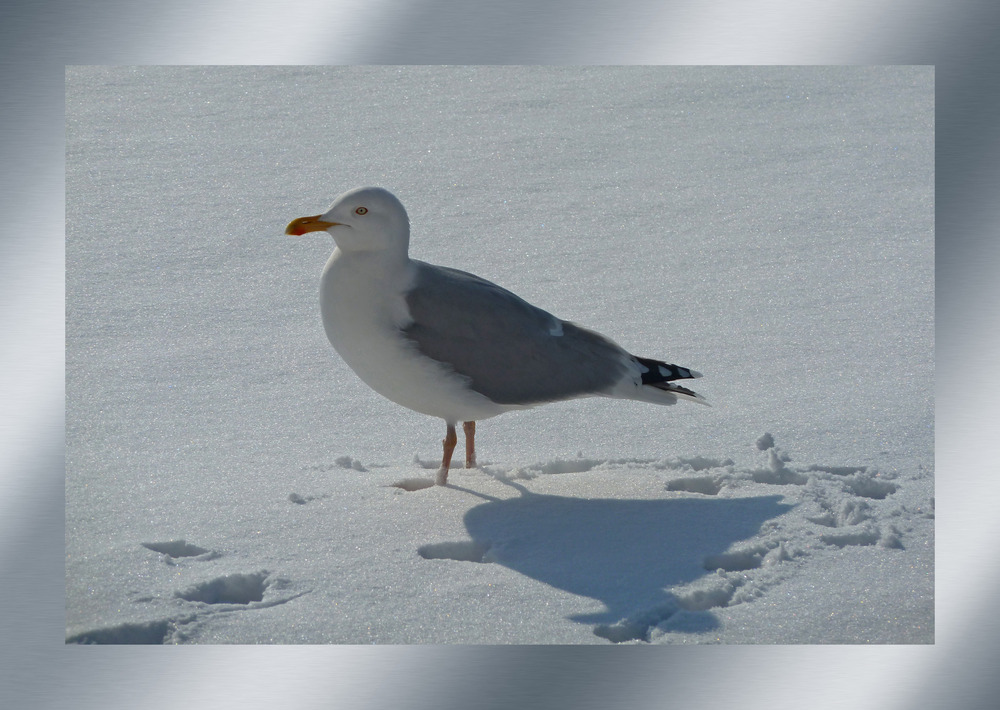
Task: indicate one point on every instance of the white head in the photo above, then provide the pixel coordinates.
(362, 219)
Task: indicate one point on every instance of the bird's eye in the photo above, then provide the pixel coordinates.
(361, 210)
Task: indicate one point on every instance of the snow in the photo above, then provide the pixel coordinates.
(230, 480)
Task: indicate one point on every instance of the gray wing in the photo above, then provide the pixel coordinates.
(511, 351)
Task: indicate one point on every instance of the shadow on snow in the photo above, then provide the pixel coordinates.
(624, 553)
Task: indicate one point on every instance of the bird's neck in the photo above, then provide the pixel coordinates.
(361, 272)
(375, 263)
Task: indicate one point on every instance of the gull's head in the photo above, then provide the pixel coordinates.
(362, 219)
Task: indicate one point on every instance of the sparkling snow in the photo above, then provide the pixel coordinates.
(230, 480)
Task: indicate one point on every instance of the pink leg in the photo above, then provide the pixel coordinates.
(450, 439)
(470, 444)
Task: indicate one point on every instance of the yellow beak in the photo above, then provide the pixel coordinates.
(302, 225)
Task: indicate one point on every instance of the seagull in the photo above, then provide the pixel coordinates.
(452, 345)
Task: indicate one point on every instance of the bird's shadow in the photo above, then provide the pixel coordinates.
(624, 553)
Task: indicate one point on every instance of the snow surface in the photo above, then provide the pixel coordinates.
(230, 480)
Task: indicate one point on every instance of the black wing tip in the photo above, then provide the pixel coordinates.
(661, 375)
(658, 371)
